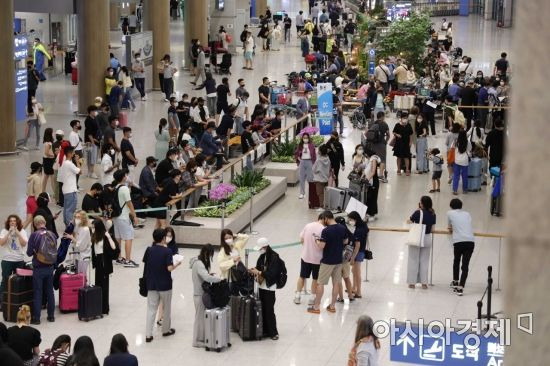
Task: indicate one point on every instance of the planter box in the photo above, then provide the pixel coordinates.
(209, 231)
(287, 170)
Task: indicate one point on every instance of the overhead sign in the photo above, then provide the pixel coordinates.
(20, 47)
(325, 107)
(423, 346)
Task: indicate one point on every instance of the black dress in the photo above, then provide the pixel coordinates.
(372, 193)
(402, 148)
(103, 264)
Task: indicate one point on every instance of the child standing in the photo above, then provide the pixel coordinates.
(435, 157)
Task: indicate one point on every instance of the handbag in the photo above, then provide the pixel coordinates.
(355, 177)
(41, 119)
(415, 237)
(368, 252)
(451, 155)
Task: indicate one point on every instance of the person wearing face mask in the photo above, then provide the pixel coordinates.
(138, 69)
(57, 151)
(109, 135)
(91, 139)
(170, 191)
(104, 251)
(231, 251)
(123, 223)
(358, 163)
(200, 273)
(40, 55)
(402, 134)
(147, 183)
(165, 166)
(359, 230)
(44, 211)
(33, 122)
(81, 241)
(173, 119)
(421, 128)
(34, 188)
(335, 152)
(127, 100)
(189, 180)
(108, 166)
(210, 146)
(305, 158)
(129, 160)
(75, 139)
(162, 137)
(90, 202)
(13, 238)
(110, 81)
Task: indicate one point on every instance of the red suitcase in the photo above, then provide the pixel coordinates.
(69, 284)
(122, 119)
(313, 198)
(74, 75)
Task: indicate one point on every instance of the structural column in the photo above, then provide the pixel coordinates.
(7, 80)
(92, 51)
(261, 7)
(528, 247)
(157, 13)
(196, 24)
(114, 16)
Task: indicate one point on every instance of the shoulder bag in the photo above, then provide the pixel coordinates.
(415, 237)
(451, 155)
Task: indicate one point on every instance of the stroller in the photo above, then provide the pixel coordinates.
(225, 65)
(358, 119)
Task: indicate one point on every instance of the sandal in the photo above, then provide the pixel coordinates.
(432, 191)
(312, 310)
(357, 296)
(340, 300)
(331, 310)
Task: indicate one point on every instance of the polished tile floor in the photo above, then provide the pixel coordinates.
(304, 339)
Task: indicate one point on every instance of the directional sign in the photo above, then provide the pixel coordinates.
(325, 107)
(371, 67)
(372, 53)
(448, 349)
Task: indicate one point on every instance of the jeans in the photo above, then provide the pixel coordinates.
(33, 123)
(42, 282)
(306, 174)
(340, 120)
(168, 87)
(128, 96)
(267, 299)
(69, 206)
(421, 159)
(464, 251)
(140, 85)
(8, 268)
(153, 300)
(460, 171)
(287, 34)
(211, 103)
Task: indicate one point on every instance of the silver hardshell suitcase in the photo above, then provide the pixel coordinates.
(336, 199)
(217, 324)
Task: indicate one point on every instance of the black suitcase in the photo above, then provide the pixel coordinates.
(250, 319)
(18, 292)
(234, 304)
(90, 300)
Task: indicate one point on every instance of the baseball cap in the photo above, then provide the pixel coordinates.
(60, 133)
(261, 243)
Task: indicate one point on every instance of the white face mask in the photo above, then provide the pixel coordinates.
(138, 59)
(262, 251)
(112, 151)
(116, 123)
(352, 223)
(110, 73)
(360, 151)
(306, 141)
(168, 238)
(229, 241)
(77, 222)
(419, 120)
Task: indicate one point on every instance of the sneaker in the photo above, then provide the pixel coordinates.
(141, 221)
(371, 218)
(24, 148)
(301, 196)
(144, 99)
(131, 264)
(120, 261)
(166, 100)
(459, 291)
(93, 176)
(297, 299)
(453, 284)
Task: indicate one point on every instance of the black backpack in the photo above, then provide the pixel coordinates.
(218, 292)
(373, 134)
(243, 36)
(281, 281)
(116, 209)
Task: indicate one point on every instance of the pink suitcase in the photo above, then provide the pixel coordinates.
(122, 119)
(69, 284)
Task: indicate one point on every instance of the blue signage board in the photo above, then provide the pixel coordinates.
(21, 90)
(20, 47)
(445, 347)
(372, 54)
(371, 67)
(325, 107)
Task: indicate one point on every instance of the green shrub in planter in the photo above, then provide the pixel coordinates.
(283, 159)
(248, 178)
(285, 148)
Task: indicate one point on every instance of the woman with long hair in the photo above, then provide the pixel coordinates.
(421, 133)
(463, 149)
(359, 239)
(163, 140)
(24, 339)
(104, 250)
(81, 240)
(231, 251)
(366, 344)
(450, 143)
(118, 353)
(60, 351)
(419, 257)
(13, 238)
(403, 133)
(124, 76)
(200, 272)
(370, 174)
(34, 188)
(48, 159)
(83, 353)
(305, 158)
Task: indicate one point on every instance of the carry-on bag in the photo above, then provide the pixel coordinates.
(122, 119)
(474, 175)
(217, 323)
(90, 300)
(336, 199)
(251, 325)
(69, 284)
(313, 198)
(234, 304)
(18, 292)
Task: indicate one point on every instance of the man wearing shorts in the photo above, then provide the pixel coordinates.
(122, 224)
(333, 238)
(311, 257)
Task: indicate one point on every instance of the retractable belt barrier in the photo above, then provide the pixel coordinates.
(152, 209)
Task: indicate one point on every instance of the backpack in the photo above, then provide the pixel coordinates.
(243, 36)
(49, 358)
(373, 134)
(219, 293)
(116, 209)
(281, 281)
(47, 247)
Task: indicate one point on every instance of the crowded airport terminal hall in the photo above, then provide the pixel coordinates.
(274, 182)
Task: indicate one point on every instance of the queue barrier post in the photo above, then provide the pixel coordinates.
(432, 262)
(498, 268)
(251, 230)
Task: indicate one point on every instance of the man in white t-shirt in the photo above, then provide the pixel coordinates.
(460, 227)
(74, 137)
(69, 173)
(311, 257)
(123, 223)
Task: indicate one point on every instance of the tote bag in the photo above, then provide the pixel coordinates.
(415, 237)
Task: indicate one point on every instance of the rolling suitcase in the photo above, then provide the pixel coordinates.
(122, 119)
(234, 303)
(336, 199)
(217, 323)
(474, 175)
(69, 285)
(250, 319)
(312, 197)
(74, 76)
(18, 292)
(90, 301)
